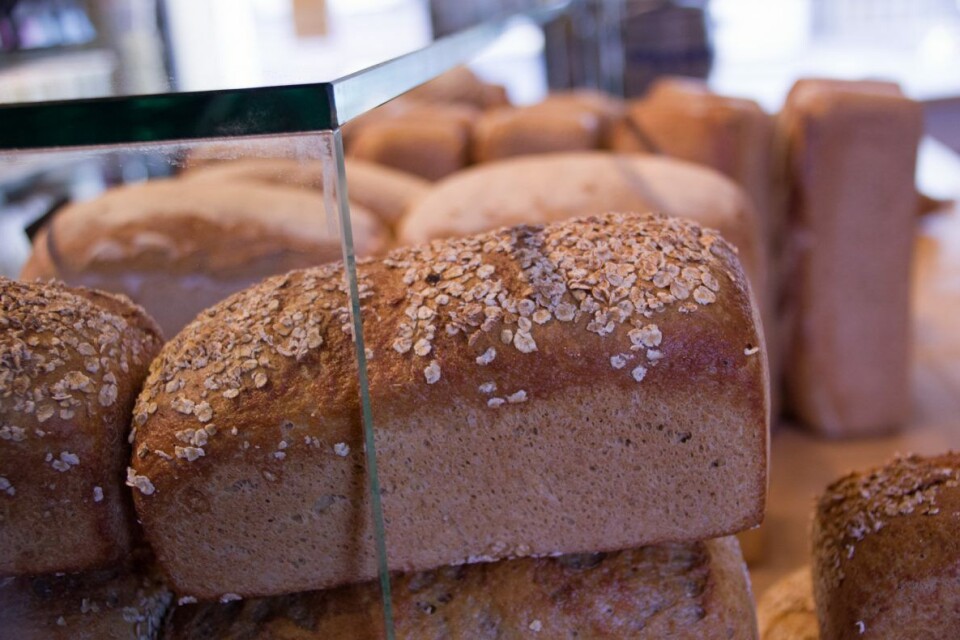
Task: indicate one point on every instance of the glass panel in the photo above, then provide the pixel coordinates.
(178, 227)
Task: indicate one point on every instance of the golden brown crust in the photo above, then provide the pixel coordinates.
(384, 191)
(616, 323)
(541, 128)
(694, 590)
(112, 604)
(786, 611)
(181, 226)
(886, 551)
(71, 364)
(851, 155)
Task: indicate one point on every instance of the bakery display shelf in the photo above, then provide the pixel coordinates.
(174, 125)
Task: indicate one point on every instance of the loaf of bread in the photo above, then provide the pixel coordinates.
(695, 590)
(585, 386)
(72, 361)
(852, 150)
(177, 247)
(381, 190)
(539, 128)
(682, 118)
(886, 551)
(787, 611)
(431, 141)
(460, 85)
(553, 187)
(111, 604)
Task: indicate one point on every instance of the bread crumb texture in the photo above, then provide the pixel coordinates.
(424, 307)
(863, 503)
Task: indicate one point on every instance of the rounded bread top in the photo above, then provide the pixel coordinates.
(864, 503)
(188, 225)
(67, 355)
(545, 188)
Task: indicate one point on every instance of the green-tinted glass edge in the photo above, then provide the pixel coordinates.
(166, 117)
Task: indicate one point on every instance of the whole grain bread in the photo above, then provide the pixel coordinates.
(107, 604)
(590, 385)
(786, 611)
(696, 591)
(886, 551)
(851, 152)
(177, 247)
(72, 361)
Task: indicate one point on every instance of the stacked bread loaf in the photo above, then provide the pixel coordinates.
(72, 361)
(646, 441)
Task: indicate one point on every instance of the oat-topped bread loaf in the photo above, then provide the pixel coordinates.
(558, 186)
(886, 551)
(177, 246)
(851, 151)
(787, 611)
(381, 190)
(590, 385)
(696, 590)
(71, 364)
(109, 604)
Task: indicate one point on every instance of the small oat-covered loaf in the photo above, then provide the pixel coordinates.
(590, 385)
(177, 246)
(111, 604)
(886, 554)
(851, 151)
(787, 611)
(71, 364)
(696, 590)
(384, 191)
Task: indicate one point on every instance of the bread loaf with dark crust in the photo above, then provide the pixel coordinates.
(886, 554)
(178, 246)
(786, 611)
(696, 591)
(590, 385)
(108, 604)
(852, 152)
(71, 364)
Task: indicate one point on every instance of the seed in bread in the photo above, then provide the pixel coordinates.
(71, 364)
(498, 436)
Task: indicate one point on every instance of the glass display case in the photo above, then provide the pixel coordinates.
(140, 211)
